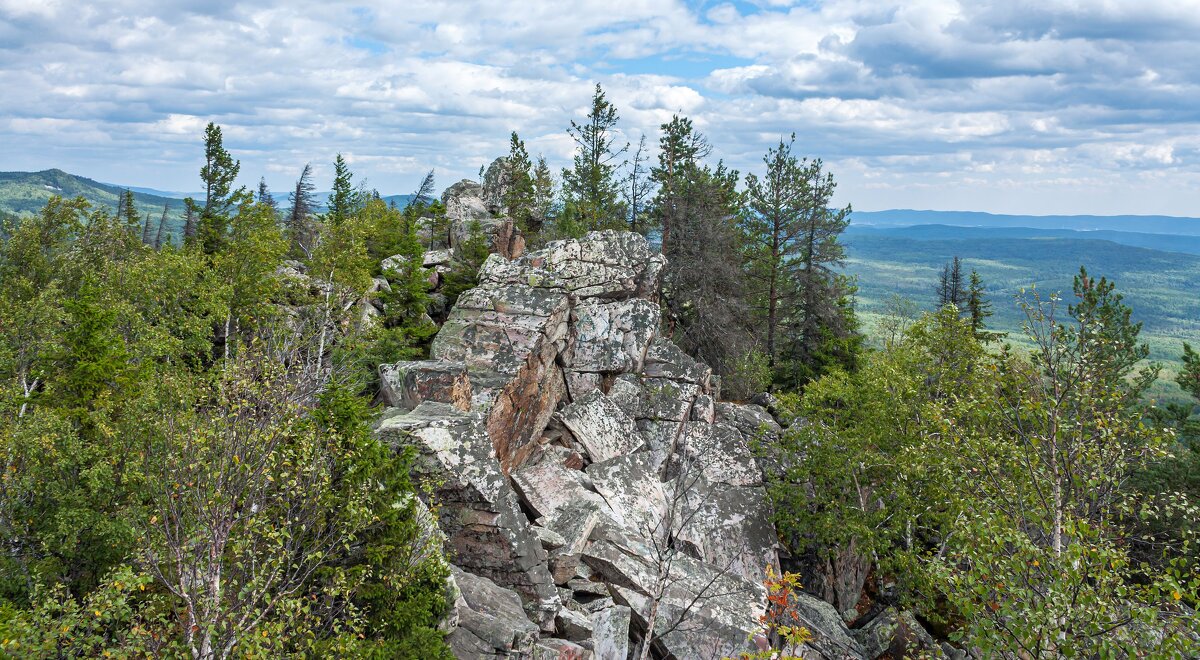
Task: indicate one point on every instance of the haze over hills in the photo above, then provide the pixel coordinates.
(1151, 224)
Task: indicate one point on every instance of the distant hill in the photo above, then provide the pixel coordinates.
(1148, 224)
(23, 194)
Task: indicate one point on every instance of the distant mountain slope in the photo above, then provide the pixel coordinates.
(1159, 285)
(1149, 224)
(23, 194)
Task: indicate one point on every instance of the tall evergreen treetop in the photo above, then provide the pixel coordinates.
(219, 173)
(591, 185)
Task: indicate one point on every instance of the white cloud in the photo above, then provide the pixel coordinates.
(942, 102)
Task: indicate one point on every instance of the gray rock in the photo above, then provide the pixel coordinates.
(548, 485)
(437, 258)
(477, 509)
(607, 264)
(550, 539)
(632, 490)
(601, 427)
(830, 635)
(553, 648)
(572, 626)
(731, 527)
(666, 360)
(612, 337)
(721, 452)
(492, 616)
(610, 633)
(406, 384)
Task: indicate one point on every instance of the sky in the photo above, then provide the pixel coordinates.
(1044, 107)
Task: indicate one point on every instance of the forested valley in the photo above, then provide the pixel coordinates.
(188, 415)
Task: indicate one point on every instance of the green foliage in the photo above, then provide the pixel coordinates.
(124, 617)
(998, 486)
(518, 199)
(162, 408)
(590, 186)
(468, 258)
(343, 200)
(219, 173)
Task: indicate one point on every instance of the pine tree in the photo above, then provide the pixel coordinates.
(823, 329)
(774, 225)
(703, 283)
(680, 148)
(590, 186)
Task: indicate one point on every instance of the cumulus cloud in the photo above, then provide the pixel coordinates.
(1082, 107)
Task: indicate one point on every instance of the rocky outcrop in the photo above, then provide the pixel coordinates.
(466, 210)
(571, 449)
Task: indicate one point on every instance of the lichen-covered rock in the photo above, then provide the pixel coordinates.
(601, 426)
(607, 264)
(666, 360)
(548, 485)
(491, 621)
(632, 489)
(830, 635)
(477, 509)
(612, 336)
(610, 633)
(406, 384)
(513, 332)
(553, 648)
(721, 452)
(731, 527)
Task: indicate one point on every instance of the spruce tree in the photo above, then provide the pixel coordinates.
(219, 173)
(302, 207)
(343, 200)
(518, 191)
(590, 186)
(680, 149)
(544, 196)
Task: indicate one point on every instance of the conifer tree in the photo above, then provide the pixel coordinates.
(951, 290)
(979, 308)
(302, 207)
(680, 148)
(637, 188)
(544, 196)
(162, 225)
(264, 196)
(590, 186)
(518, 188)
(342, 200)
(219, 173)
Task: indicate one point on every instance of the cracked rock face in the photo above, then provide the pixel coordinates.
(569, 444)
